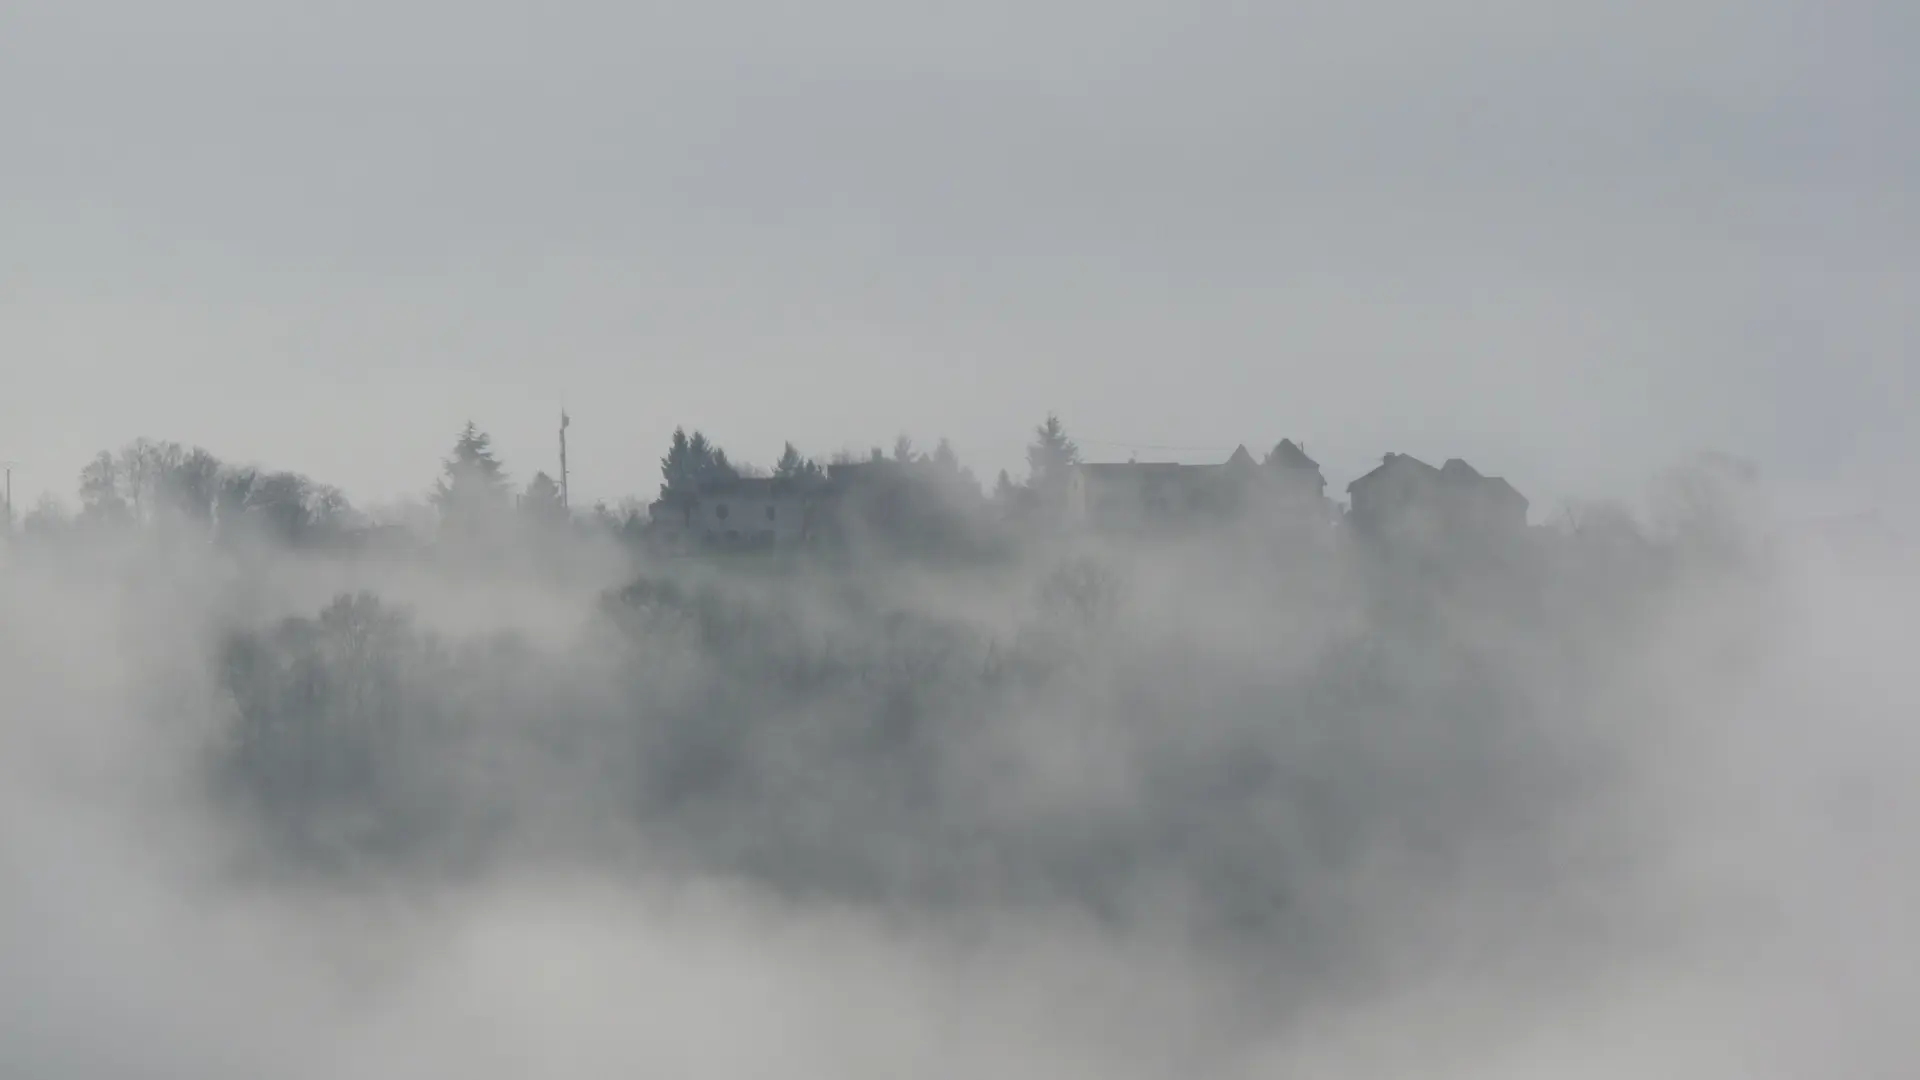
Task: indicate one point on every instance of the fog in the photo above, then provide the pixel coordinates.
(954, 761)
(1227, 802)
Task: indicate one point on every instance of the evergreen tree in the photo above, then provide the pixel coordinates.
(677, 469)
(474, 486)
(707, 458)
(947, 465)
(693, 461)
(1050, 457)
(944, 457)
(790, 464)
(542, 502)
(793, 466)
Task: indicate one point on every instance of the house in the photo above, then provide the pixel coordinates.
(1129, 494)
(920, 502)
(1152, 495)
(742, 512)
(1405, 497)
(1296, 472)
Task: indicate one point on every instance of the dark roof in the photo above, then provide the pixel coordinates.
(1112, 469)
(1455, 470)
(1459, 470)
(1508, 489)
(1292, 455)
(1389, 461)
(1135, 468)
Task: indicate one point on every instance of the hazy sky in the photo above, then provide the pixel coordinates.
(1567, 241)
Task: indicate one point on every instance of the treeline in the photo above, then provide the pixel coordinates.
(160, 485)
(1228, 735)
(168, 487)
(164, 485)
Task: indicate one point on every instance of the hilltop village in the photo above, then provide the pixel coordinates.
(925, 497)
(708, 504)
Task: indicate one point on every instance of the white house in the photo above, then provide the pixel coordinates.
(746, 512)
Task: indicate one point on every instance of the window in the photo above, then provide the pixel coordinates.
(769, 511)
(720, 511)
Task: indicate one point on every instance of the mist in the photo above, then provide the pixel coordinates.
(1062, 540)
(1611, 796)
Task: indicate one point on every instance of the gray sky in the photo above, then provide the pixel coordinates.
(1566, 241)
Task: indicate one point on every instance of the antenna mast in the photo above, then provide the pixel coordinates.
(7, 535)
(565, 497)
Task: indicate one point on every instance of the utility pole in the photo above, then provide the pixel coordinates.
(566, 500)
(7, 466)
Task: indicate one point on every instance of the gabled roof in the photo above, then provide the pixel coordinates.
(1460, 471)
(1455, 471)
(1240, 458)
(1392, 462)
(1504, 487)
(1292, 455)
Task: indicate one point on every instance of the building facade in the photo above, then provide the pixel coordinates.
(1406, 498)
(745, 512)
(1165, 496)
